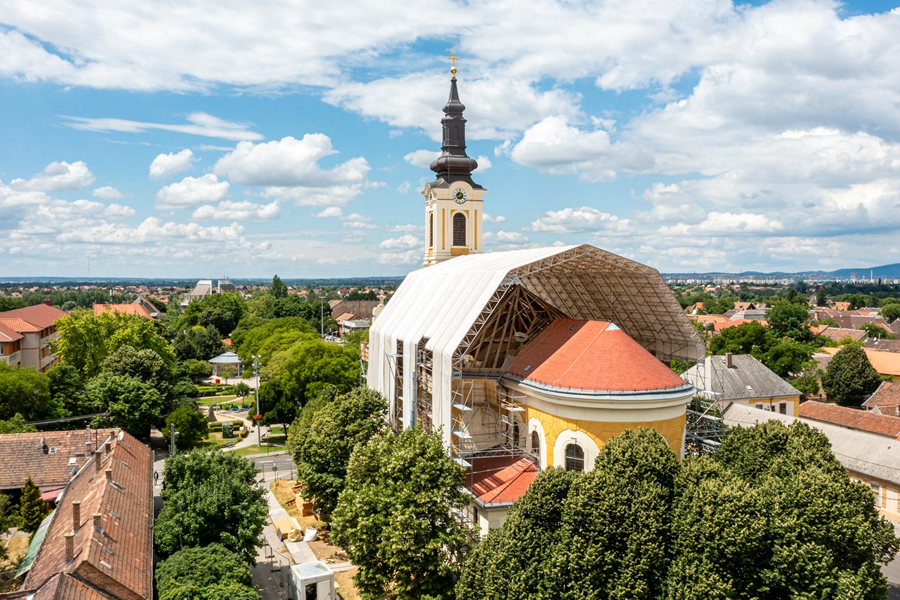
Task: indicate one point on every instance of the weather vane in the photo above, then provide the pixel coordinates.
(453, 59)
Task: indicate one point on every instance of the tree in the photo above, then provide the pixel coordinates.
(261, 306)
(616, 537)
(198, 343)
(786, 357)
(223, 311)
(242, 389)
(268, 337)
(807, 382)
(850, 377)
(26, 391)
(877, 331)
(16, 424)
(742, 339)
(323, 445)
(85, 340)
(132, 404)
(145, 365)
(198, 369)
(67, 389)
(313, 365)
(515, 562)
(190, 425)
(821, 297)
(32, 509)
(211, 497)
(209, 572)
(891, 312)
(278, 288)
(791, 320)
(396, 516)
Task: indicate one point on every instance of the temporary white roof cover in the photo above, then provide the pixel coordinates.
(228, 358)
(443, 302)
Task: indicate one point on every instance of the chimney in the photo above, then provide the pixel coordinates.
(70, 547)
(47, 302)
(87, 436)
(98, 521)
(76, 514)
(108, 446)
(728, 362)
(109, 474)
(98, 458)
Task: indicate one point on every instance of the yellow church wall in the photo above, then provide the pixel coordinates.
(601, 431)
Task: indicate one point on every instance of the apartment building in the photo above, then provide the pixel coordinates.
(36, 327)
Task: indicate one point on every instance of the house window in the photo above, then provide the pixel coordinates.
(459, 229)
(759, 406)
(536, 444)
(574, 458)
(782, 407)
(431, 231)
(876, 493)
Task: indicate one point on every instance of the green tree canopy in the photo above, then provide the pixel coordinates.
(395, 517)
(198, 343)
(313, 365)
(742, 339)
(132, 404)
(821, 297)
(32, 509)
(209, 572)
(26, 391)
(278, 289)
(786, 357)
(267, 337)
(891, 312)
(190, 425)
(850, 377)
(67, 389)
(211, 497)
(86, 340)
(788, 319)
(145, 365)
(807, 380)
(222, 311)
(515, 562)
(322, 446)
(877, 331)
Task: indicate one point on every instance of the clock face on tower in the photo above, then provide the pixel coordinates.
(459, 195)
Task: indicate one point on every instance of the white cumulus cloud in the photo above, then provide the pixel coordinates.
(171, 163)
(192, 191)
(107, 193)
(237, 211)
(576, 220)
(57, 177)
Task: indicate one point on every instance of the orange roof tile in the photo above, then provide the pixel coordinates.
(8, 334)
(40, 315)
(500, 479)
(852, 418)
(591, 355)
(735, 323)
(19, 325)
(129, 309)
(886, 398)
(21, 455)
(885, 362)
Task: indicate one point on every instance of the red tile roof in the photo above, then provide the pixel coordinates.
(838, 334)
(41, 315)
(851, 418)
(885, 362)
(129, 309)
(18, 325)
(500, 479)
(49, 465)
(591, 355)
(735, 323)
(886, 398)
(114, 558)
(8, 334)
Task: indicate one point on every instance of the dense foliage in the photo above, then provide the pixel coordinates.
(26, 392)
(190, 425)
(772, 515)
(321, 445)
(222, 311)
(211, 497)
(395, 517)
(198, 343)
(32, 509)
(205, 573)
(850, 378)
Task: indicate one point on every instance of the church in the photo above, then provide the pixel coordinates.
(524, 359)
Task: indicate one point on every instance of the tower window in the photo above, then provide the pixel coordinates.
(536, 444)
(459, 229)
(431, 231)
(574, 458)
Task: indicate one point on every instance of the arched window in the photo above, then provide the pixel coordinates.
(536, 444)
(574, 458)
(431, 231)
(459, 229)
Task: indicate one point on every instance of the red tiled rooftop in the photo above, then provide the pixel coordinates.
(500, 479)
(18, 325)
(22, 454)
(40, 315)
(735, 323)
(886, 398)
(8, 334)
(852, 418)
(129, 309)
(591, 355)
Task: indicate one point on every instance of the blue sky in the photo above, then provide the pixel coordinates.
(210, 138)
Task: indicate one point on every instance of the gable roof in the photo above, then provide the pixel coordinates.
(886, 398)
(115, 558)
(882, 344)
(852, 418)
(885, 362)
(129, 309)
(40, 316)
(497, 480)
(572, 354)
(8, 334)
(838, 334)
(345, 317)
(734, 323)
(747, 379)
(49, 464)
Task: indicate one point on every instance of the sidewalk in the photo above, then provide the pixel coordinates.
(272, 584)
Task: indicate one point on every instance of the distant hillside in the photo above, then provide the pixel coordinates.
(882, 272)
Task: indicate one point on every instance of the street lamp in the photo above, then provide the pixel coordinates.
(256, 358)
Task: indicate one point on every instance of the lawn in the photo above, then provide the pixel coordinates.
(254, 449)
(213, 400)
(277, 430)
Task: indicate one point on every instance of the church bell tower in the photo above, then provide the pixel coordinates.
(453, 201)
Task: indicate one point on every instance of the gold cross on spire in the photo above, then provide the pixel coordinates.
(453, 58)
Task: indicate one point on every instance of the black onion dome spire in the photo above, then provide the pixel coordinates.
(454, 164)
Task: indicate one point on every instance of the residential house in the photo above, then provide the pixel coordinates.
(10, 345)
(851, 418)
(351, 325)
(742, 379)
(126, 309)
(882, 344)
(361, 308)
(839, 334)
(98, 542)
(885, 400)
(37, 326)
(870, 458)
(887, 363)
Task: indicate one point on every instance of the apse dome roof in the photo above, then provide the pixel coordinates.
(591, 357)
